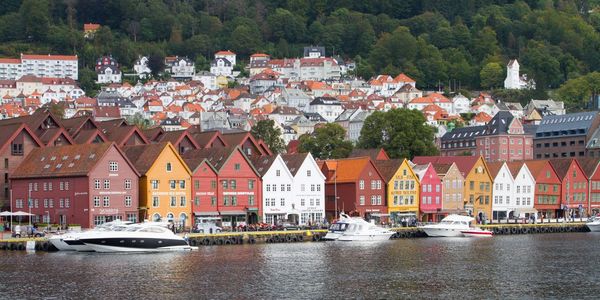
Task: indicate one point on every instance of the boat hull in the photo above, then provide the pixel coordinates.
(443, 232)
(477, 233)
(59, 243)
(77, 245)
(332, 236)
(364, 238)
(137, 244)
(593, 226)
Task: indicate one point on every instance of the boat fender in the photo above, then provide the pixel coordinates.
(505, 230)
(269, 240)
(300, 238)
(535, 230)
(220, 241)
(251, 240)
(38, 247)
(227, 242)
(495, 230)
(522, 230)
(402, 234)
(525, 230)
(12, 246)
(514, 230)
(288, 239)
(21, 247)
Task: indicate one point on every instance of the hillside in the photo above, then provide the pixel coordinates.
(466, 43)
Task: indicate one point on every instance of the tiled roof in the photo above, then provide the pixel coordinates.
(441, 169)
(294, 161)
(561, 166)
(372, 153)
(575, 123)
(49, 57)
(536, 166)
(263, 163)
(494, 168)
(216, 157)
(515, 167)
(71, 160)
(347, 170)
(143, 156)
(388, 168)
(464, 163)
(588, 164)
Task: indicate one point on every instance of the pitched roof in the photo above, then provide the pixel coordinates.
(536, 166)
(561, 166)
(346, 170)
(143, 156)
(294, 161)
(263, 163)
(494, 168)
(588, 164)
(216, 157)
(564, 123)
(372, 153)
(464, 163)
(10, 131)
(388, 168)
(70, 160)
(176, 136)
(441, 168)
(515, 167)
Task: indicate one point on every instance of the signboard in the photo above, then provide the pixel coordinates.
(237, 193)
(108, 211)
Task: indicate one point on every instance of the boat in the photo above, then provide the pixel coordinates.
(593, 224)
(477, 232)
(450, 226)
(70, 241)
(135, 238)
(356, 229)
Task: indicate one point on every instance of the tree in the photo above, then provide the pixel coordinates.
(402, 133)
(87, 82)
(327, 142)
(577, 92)
(265, 130)
(35, 16)
(156, 63)
(140, 121)
(491, 75)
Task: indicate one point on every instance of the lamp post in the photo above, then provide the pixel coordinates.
(29, 203)
(335, 216)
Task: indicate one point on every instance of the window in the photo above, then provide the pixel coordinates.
(96, 201)
(182, 201)
(45, 186)
(268, 187)
(213, 184)
(113, 166)
(378, 199)
(277, 172)
(50, 203)
(233, 184)
(61, 186)
(318, 187)
(361, 184)
(182, 184)
(213, 200)
(61, 203)
(173, 184)
(378, 184)
(251, 200)
(373, 200)
(67, 202)
(155, 201)
(471, 185)
(127, 184)
(373, 184)
(106, 201)
(127, 201)
(302, 187)
(224, 184)
(312, 187)
(154, 184)
(308, 173)
(289, 187)
(16, 149)
(251, 184)
(106, 184)
(35, 186)
(283, 187)
(173, 201)
(196, 184)
(237, 167)
(169, 167)
(303, 202)
(282, 201)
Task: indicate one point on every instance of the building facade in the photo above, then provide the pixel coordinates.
(562, 136)
(46, 66)
(308, 188)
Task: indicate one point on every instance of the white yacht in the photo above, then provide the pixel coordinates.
(135, 238)
(69, 241)
(450, 226)
(356, 229)
(593, 224)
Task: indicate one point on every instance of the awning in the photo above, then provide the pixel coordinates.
(233, 213)
(205, 213)
(525, 210)
(253, 209)
(379, 215)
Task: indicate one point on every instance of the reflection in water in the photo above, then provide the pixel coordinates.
(531, 266)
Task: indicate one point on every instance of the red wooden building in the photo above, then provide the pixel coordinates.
(86, 184)
(574, 187)
(547, 192)
(358, 186)
(430, 196)
(591, 168)
(225, 185)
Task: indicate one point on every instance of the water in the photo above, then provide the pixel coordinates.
(521, 266)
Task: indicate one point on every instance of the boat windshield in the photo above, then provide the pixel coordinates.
(446, 222)
(338, 227)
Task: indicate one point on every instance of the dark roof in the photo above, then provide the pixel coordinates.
(588, 164)
(143, 156)
(464, 163)
(294, 161)
(216, 157)
(73, 125)
(263, 163)
(204, 138)
(325, 101)
(85, 135)
(388, 168)
(9, 132)
(464, 133)
(569, 124)
(499, 123)
(152, 133)
(70, 160)
(561, 166)
(441, 168)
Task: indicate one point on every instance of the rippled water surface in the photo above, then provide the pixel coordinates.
(526, 266)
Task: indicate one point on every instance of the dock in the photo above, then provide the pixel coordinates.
(300, 236)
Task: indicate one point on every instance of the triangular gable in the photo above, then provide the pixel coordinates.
(240, 150)
(170, 147)
(20, 128)
(131, 165)
(60, 134)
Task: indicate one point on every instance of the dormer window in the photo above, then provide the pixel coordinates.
(17, 149)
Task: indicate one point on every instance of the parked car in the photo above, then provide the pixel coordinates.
(27, 231)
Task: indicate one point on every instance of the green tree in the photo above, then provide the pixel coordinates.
(156, 64)
(401, 132)
(265, 130)
(87, 82)
(245, 40)
(576, 92)
(35, 17)
(140, 121)
(491, 75)
(327, 142)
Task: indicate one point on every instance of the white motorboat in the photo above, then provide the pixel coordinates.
(594, 224)
(477, 232)
(356, 229)
(70, 241)
(135, 238)
(450, 226)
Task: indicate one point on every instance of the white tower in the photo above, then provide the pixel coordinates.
(513, 79)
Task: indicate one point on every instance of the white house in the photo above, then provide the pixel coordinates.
(277, 188)
(525, 189)
(328, 107)
(223, 63)
(141, 67)
(180, 67)
(503, 190)
(109, 74)
(460, 105)
(308, 188)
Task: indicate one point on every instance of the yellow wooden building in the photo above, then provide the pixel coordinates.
(402, 188)
(165, 191)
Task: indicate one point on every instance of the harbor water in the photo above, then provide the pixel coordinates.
(564, 265)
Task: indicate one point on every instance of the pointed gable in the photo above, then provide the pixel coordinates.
(208, 139)
(374, 154)
(388, 168)
(13, 132)
(180, 139)
(143, 157)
